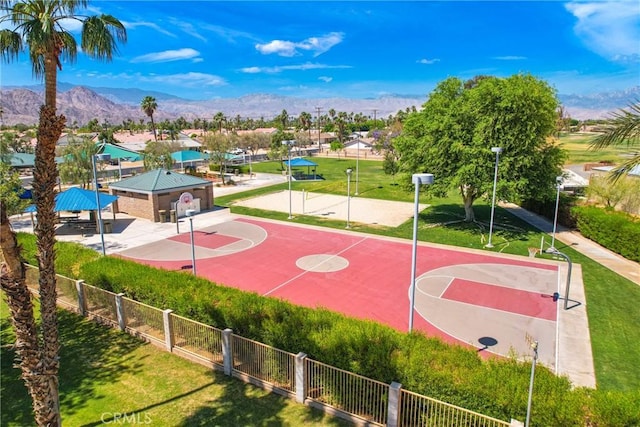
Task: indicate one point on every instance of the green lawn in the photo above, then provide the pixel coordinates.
(579, 150)
(104, 373)
(612, 300)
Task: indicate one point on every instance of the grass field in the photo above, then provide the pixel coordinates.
(105, 374)
(612, 300)
(578, 147)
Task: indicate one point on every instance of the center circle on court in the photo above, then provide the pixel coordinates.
(322, 263)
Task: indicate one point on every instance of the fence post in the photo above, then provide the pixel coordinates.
(168, 329)
(122, 322)
(393, 406)
(227, 351)
(82, 302)
(300, 379)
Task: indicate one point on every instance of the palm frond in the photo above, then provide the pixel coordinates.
(622, 128)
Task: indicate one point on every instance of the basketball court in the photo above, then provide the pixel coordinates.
(495, 303)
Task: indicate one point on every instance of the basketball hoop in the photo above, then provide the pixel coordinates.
(533, 252)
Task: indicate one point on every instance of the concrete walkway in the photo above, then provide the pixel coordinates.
(614, 262)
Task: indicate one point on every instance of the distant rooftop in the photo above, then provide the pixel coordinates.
(159, 180)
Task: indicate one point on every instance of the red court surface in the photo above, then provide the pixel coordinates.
(462, 296)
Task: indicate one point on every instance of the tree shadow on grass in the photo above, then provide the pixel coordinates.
(90, 355)
(450, 217)
(243, 404)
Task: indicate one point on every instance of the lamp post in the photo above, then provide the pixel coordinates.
(496, 150)
(555, 216)
(349, 172)
(250, 169)
(101, 157)
(190, 213)
(417, 179)
(357, 167)
(534, 346)
(289, 143)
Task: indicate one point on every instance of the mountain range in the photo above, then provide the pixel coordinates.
(81, 104)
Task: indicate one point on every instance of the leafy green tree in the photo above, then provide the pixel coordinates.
(390, 164)
(623, 193)
(452, 135)
(39, 27)
(622, 128)
(157, 154)
(77, 165)
(218, 146)
(10, 190)
(149, 106)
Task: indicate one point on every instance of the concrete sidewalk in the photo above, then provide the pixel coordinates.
(616, 263)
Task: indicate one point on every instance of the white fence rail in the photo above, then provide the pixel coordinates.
(336, 391)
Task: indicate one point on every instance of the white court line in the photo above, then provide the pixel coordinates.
(320, 263)
(490, 308)
(446, 287)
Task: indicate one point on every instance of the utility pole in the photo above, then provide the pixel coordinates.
(374, 117)
(318, 109)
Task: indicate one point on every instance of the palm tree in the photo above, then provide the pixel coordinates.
(149, 106)
(622, 128)
(38, 26)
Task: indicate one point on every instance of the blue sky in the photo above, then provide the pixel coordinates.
(364, 49)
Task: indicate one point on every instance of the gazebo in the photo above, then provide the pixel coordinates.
(300, 162)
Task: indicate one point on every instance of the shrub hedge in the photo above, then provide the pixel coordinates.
(497, 386)
(616, 231)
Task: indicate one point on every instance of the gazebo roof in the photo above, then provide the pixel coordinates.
(300, 162)
(78, 199)
(159, 180)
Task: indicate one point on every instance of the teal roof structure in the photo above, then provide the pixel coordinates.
(118, 152)
(159, 180)
(79, 199)
(25, 160)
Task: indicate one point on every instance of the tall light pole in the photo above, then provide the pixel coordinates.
(496, 150)
(534, 346)
(417, 179)
(101, 157)
(250, 169)
(289, 143)
(555, 216)
(190, 213)
(357, 167)
(349, 172)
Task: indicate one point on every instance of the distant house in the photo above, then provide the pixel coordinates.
(138, 141)
(152, 195)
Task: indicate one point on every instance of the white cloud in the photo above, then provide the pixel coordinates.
(325, 79)
(281, 68)
(187, 79)
(132, 25)
(510, 58)
(184, 79)
(427, 61)
(168, 56)
(316, 45)
(611, 29)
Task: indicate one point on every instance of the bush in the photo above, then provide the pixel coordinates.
(616, 231)
(548, 209)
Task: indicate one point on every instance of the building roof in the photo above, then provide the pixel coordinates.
(117, 152)
(79, 199)
(159, 180)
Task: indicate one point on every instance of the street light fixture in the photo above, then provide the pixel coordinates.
(417, 179)
(555, 216)
(357, 166)
(100, 157)
(349, 172)
(496, 150)
(289, 143)
(190, 213)
(534, 346)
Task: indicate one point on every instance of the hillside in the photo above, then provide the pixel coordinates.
(80, 105)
